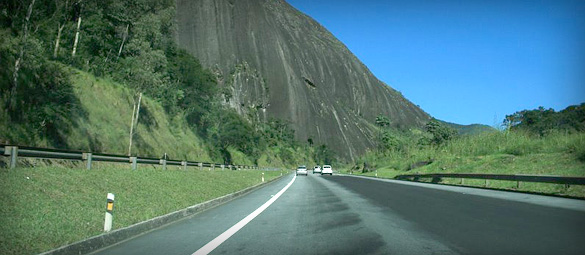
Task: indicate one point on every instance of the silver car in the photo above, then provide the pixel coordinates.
(302, 170)
(317, 170)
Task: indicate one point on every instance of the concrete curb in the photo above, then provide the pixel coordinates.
(101, 241)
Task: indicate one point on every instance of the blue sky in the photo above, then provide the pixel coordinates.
(466, 61)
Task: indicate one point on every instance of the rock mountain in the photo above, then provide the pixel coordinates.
(277, 62)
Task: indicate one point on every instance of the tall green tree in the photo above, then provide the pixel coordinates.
(440, 133)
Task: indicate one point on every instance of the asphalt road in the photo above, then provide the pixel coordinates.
(348, 215)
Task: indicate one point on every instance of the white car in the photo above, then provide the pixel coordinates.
(327, 170)
(316, 169)
(302, 170)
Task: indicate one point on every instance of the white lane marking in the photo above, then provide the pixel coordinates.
(206, 249)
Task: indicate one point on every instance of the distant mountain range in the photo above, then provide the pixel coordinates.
(470, 129)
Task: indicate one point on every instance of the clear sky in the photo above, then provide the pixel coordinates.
(466, 61)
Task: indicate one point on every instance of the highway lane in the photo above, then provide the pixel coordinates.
(347, 215)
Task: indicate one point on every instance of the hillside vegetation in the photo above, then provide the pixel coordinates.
(72, 73)
(537, 142)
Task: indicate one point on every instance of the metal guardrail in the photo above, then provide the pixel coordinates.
(14, 152)
(436, 178)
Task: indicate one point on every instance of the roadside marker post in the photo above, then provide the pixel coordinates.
(109, 212)
(262, 176)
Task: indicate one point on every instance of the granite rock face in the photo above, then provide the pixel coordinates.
(276, 62)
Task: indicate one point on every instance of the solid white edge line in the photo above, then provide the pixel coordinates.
(209, 247)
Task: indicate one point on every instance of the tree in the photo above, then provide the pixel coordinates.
(18, 62)
(382, 121)
(323, 155)
(440, 132)
(540, 121)
(389, 141)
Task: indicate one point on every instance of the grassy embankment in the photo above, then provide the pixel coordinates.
(105, 124)
(44, 208)
(495, 153)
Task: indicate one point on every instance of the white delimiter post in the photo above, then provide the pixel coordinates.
(262, 177)
(109, 212)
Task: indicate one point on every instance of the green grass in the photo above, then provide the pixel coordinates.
(105, 125)
(109, 108)
(495, 153)
(44, 208)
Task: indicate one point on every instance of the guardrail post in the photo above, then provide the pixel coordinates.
(213, 166)
(517, 184)
(184, 164)
(163, 162)
(13, 152)
(200, 166)
(134, 162)
(87, 157)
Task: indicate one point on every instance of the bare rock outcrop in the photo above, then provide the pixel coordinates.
(278, 62)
